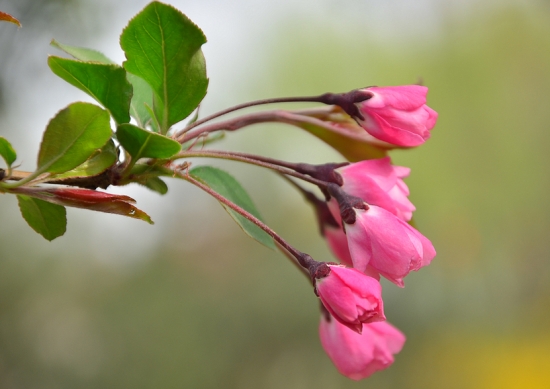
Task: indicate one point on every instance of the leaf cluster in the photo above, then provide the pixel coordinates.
(162, 81)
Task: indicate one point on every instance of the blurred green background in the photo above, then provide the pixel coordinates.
(193, 303)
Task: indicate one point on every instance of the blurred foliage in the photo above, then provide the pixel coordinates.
(38, 17)
(211, 309)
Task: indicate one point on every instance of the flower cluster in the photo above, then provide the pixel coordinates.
(365, 223)
(357, 356)
(364, 215)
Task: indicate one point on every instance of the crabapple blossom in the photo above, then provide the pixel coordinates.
(359, 355)
(352, 297)
(390, 245)
(338, 244)
(397, 114)
(379, 183)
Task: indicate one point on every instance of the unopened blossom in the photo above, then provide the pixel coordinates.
(397, 114)
(358, 356)
(388, 244)
(338, 243)
(378, 182)
(333, 232)
(352, 297)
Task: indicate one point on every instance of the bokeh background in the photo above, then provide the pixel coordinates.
(193, 303)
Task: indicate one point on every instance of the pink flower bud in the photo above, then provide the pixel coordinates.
(351, 297)
(338, 244)
(388, 244)
(358, 356)
(397, 114)
(379, 183)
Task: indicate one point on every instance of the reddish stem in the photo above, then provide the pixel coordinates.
(197, 123)
(303, 259)
(282, 167)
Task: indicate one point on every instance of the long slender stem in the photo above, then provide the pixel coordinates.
(281, 116)
(314, 99)
(229, 125)
(252, 159)
(324, 173)
(307, 194)
(272, 161)
(346, 101)
(324, 216)
(301, 258)
(293, 261)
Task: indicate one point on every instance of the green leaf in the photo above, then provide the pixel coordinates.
(156, 185)
(7, 152)
(49, 220)
(353, 145)
(105, 83)
(72, 136)
(148, 176)
(141, 143)
(162, 46)
(96, 164)
(227, 186)
(141, 99)
(154, 122)
(81, 53)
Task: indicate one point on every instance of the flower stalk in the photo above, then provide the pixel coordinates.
(304, 260)
(285, 168)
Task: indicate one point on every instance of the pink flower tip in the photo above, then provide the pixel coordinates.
(397, 114)
(378, 182)
(388, 244)
(359, 355)
(351, 297)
